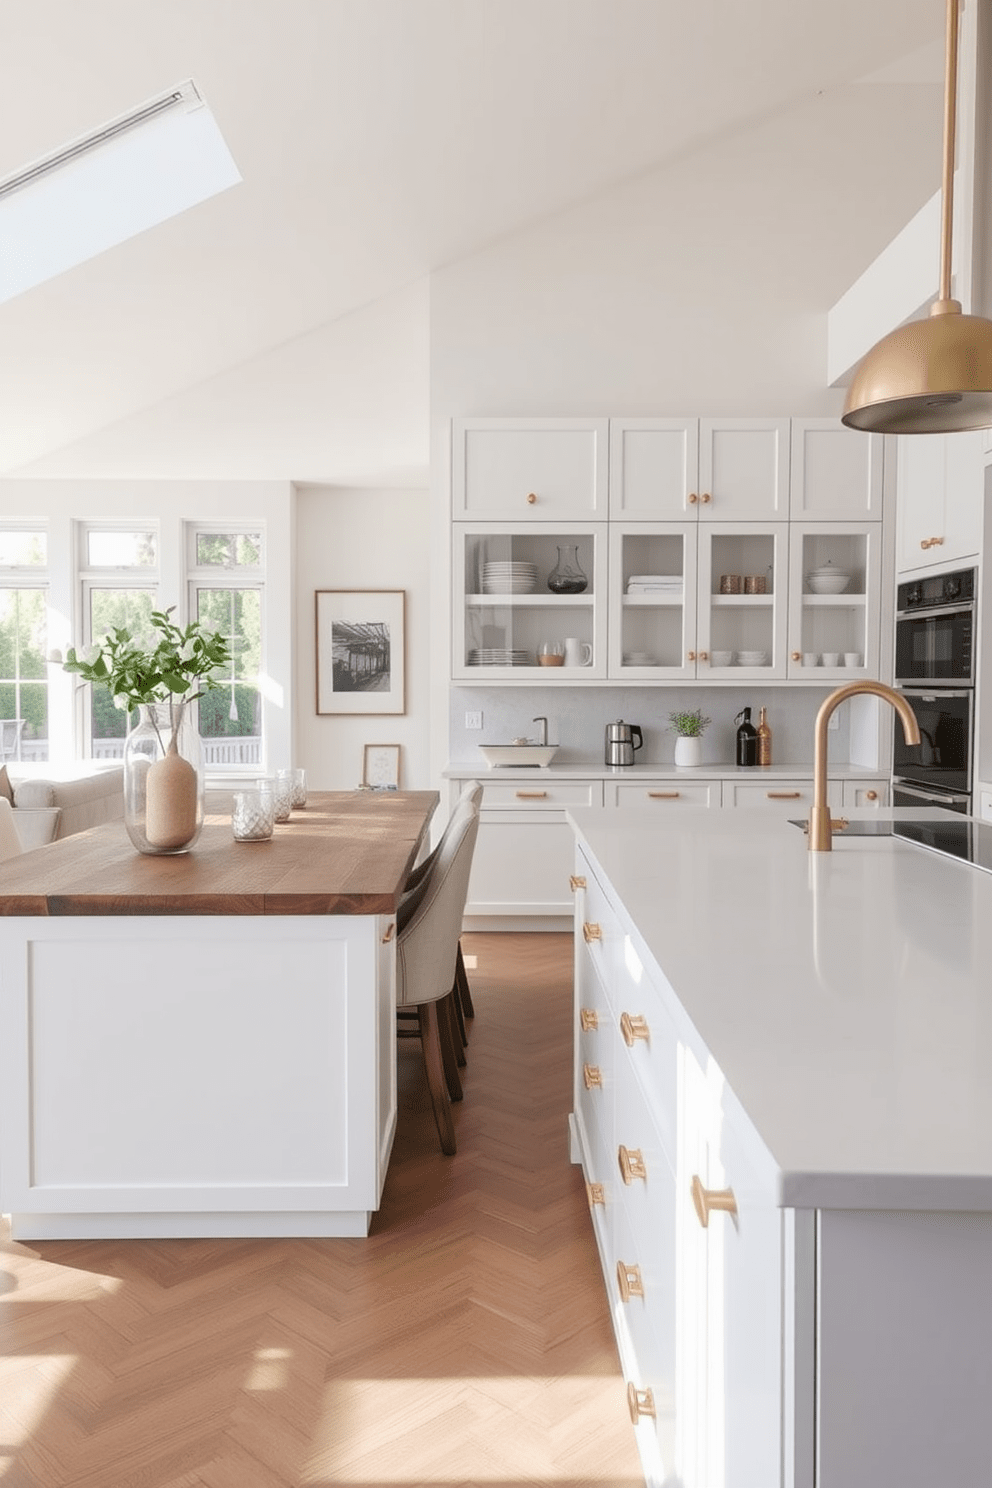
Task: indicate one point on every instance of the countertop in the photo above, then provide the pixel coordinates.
(845, 996)
(346, 852)
(594, 769)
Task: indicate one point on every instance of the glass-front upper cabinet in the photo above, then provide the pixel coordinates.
(529, 601)
(834, 609)
(539, 470)
(653, 600)
(741, 610)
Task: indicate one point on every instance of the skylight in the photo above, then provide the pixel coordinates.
(95, 192)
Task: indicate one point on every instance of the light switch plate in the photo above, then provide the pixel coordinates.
(473, 720)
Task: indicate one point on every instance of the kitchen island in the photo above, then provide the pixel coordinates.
(204, 1044)
(783, 1110)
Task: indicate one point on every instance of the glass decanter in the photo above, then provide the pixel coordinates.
(567, 577)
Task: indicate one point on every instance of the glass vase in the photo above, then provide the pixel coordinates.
(567, 577)
(163, 779)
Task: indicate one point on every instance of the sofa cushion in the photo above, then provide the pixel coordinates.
(93, 795)
(37, 825)
(6, 789)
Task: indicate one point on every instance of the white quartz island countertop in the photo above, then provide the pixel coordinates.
(846, 996)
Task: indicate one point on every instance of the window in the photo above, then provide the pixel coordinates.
(226, 590)
(119, 569)
(24, 642)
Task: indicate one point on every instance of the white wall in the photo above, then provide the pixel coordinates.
(363, 539)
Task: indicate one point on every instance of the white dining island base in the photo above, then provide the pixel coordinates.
(195, 1075)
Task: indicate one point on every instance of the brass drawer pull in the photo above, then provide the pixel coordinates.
(595, 1194)
(390, 932)
(634, 1026)
(532, 795)
(931, 542)
(631, 1164)
(592, 1076)
(708, 1199)
(531, 498)
(640, 1403)
(588, 1020)
(664, 795)
(576, 882)
(629, 1281)
(591, 932)
(783, 795)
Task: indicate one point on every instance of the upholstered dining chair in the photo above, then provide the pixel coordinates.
(10, 841)
(426, 958)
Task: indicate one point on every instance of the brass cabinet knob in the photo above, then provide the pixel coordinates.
(708, 1199)
(634, 1027)
(706, 498)
(871, 795)
(591, 932)
(531, 498)
(576, 882)
(595, 1194)
(588, 1020)
(663, 795)
(704, 656)
(690, 655)
(631, 1163)
(592, 1076)
(693, 498)
(797, 656)
(629, 1281)
(640, 1403)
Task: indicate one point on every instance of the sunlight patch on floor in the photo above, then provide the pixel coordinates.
(28, 1385)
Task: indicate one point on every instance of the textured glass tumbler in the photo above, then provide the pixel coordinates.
(281, 791)
(251, 816)
(297, 784)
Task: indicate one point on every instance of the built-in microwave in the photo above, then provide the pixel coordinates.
(935, 630)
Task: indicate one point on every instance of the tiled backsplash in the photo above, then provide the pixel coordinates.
(577, 719)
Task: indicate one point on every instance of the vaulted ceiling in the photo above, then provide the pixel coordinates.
(378, 140)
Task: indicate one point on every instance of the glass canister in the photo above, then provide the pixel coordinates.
(567, 576)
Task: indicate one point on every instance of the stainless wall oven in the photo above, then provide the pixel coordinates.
(935, 656)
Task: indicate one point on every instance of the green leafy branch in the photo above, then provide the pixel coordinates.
(164, 665)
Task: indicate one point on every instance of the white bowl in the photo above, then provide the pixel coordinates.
(722, 658)
(519, 754)
(752, 658)
(831, 583)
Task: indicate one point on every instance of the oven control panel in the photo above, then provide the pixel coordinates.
(939, 589)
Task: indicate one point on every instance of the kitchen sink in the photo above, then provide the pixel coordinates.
(519, 754)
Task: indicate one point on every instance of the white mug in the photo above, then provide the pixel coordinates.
(577, 653)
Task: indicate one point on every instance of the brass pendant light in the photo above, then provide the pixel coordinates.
(931, 376)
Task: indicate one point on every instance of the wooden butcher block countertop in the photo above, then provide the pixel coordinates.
(346, 852)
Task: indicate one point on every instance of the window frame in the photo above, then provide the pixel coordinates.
(35, 576)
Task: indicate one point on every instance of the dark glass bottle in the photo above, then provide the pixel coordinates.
(747, 739)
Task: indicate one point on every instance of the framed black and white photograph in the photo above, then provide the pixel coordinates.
(381, 766)
(360, 650)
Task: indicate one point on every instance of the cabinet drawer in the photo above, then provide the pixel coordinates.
(663, 795)
(642, 1284)
(534, 795)
(789, 797)
(599, 935)
(866, 793)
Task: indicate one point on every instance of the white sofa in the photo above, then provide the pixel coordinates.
(52, 801)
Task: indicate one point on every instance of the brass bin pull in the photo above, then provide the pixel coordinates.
(591, 932)
(592, 1076)
(532, 795)
(708, 1199)
(389, 933)
(576, 882)
(783, 795)
(640, 1403)
(634, 1026)
(595, 1194)
(629, 1281)
(588, 1020)
(664, 795)
(631, 1163)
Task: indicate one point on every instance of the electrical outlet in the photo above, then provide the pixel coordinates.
(473, 720)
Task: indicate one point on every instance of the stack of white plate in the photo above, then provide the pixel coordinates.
(508, 577)
(752, 658)
(638, 658)
(499, 656)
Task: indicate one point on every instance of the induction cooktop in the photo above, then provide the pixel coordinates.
(969, 840)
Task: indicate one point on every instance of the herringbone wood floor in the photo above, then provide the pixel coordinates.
(466, 1341)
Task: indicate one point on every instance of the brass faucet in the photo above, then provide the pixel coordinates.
(820, 836)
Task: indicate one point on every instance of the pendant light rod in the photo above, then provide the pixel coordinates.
(950, 124)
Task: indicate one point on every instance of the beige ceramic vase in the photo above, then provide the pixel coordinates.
(163, 779)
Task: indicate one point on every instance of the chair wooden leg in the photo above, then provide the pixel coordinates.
(449, 1046)
(434, 1065)
(458, 1021)
(461, 982)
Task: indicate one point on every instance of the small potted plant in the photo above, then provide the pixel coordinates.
(689, 726)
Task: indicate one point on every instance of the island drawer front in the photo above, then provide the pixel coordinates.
(663, 795)
(787, 797)
(538, 795)
(595, 1063)
(646, 1321)
(599, 933)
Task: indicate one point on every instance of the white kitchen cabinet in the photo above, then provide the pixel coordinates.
(842, 626)
(498, 635)
(671, 633)
(940, 498)
(522, 862)
(663, 795)
(835, 472)
(789, 797)
(701, 469)
(545, 470)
